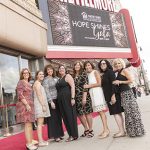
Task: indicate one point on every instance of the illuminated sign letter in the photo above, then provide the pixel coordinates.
(97, 4)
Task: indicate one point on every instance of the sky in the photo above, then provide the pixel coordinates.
(139, 10)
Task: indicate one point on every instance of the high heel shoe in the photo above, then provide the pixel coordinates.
(43, 143)
(35, 142)
(104, 135)
(31, 147)
(117, 135)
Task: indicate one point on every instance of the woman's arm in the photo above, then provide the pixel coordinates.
(70, 80)
(98, 81)
(20, 89)
(127, 75)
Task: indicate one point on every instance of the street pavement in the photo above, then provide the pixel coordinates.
(110, 143)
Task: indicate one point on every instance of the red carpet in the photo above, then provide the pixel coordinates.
(17, 142)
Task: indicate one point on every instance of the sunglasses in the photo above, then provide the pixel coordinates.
(103, 63)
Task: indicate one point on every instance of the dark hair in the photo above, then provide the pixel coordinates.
(81, 68)
(107, 64)
(21, 74)
(37, 74)
(66, 71)
(51, 67)
(86, 62)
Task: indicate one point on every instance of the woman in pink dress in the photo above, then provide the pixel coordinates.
(25, 107)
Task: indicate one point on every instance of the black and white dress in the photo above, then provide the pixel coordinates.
(80, 81)
(133, 121)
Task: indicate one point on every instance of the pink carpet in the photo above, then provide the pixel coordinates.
(17, 142)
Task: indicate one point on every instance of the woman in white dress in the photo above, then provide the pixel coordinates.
(97, 96)
(41, 105)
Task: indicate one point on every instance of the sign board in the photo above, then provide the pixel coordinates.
(80, 30)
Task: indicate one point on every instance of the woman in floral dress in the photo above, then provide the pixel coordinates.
(25, 107)
(83, 99)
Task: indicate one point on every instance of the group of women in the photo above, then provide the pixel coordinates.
(67, 96)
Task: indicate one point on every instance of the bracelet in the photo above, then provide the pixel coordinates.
(72, 98)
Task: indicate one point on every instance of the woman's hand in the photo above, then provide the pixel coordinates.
(85, 86)
(28, 108)
(72, 102)
(113, 100)
(53, 105)
(116, 82)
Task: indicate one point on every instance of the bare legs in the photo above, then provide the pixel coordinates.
(87, 122)
(120, 122)
(105, 132)
(29, 136)
(39, 132)
(28, 132)
(39, 129)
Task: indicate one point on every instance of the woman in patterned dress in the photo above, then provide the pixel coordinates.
(82, 98)
(97, 96)
(54, 122)
(40, 105)
(133, 121)
(25, 107)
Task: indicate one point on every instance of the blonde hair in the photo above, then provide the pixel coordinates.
(120, 60)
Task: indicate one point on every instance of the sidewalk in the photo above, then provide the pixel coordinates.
(124, 143)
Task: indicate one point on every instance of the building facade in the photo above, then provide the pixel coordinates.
(23, 43)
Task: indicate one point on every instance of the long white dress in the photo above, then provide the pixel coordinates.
(96, 93)
(38, 107)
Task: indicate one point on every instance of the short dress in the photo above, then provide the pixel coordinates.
(24, 91)
(109, 89)
(96, 93)
(80, 81)
(38, 107)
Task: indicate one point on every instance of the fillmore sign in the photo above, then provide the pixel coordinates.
(82, 26)
(109, 5)
(90, 29)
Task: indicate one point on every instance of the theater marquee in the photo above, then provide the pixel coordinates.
(84, 32)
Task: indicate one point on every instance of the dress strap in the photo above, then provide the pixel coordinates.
(119, 72)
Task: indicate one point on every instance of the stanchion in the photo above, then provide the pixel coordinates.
(7, 126)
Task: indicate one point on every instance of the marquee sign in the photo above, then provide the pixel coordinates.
(82, 26)
(83, 32)
(109, 5)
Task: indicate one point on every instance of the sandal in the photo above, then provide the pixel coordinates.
(117, 135)
(35, 142)
(71, 139)
(86, 132)
(90, 134)
(104, 135)
(57, 140)
(31, 147)
(43, 143)
(61, 138)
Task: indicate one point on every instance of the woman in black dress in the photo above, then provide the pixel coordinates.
(83, 99)
(112, 95)
(66, 94)
(54, 122)
(133, 121)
